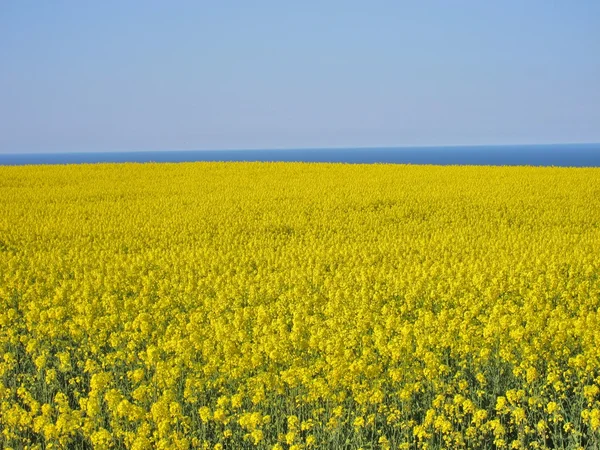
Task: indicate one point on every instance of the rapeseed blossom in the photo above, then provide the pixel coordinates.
(298, 306)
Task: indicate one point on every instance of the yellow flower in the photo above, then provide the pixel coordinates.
(101, 439)
(204, 413)
(359, 422)
(290, 437)
(220, 415)
(257, 436)
(552, 407)
(178, 306)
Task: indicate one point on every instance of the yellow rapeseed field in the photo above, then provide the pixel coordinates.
(299, 306)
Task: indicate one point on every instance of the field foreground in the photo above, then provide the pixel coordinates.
(289, 305)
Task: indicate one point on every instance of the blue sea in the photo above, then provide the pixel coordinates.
(565, 155)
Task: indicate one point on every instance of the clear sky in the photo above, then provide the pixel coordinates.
(160, 75)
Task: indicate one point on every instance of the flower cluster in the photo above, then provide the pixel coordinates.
(299, 306)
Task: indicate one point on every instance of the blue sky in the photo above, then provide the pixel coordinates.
(158, 75)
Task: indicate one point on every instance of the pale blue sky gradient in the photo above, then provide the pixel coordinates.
(158, 75)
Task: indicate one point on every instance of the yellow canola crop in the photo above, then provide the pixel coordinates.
(299, 306)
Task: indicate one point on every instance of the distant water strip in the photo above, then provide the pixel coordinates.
(564, 155)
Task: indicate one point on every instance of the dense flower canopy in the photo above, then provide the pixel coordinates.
(291, 305)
